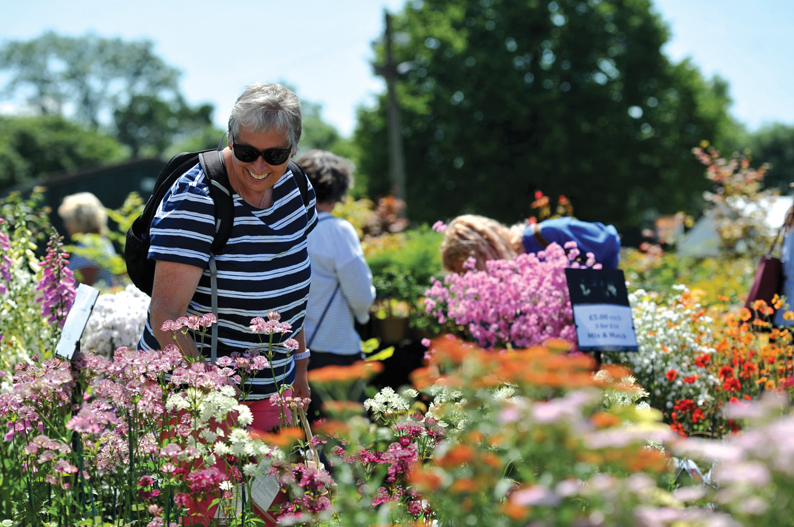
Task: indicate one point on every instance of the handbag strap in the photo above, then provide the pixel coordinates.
(774, 242)
(322, 317)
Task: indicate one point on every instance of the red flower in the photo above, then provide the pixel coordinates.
(732, 385)
(698, 416)
(671, 375)
(691, 379)
(684, 405)
(726, 372)
(678, 428)
(702, 360)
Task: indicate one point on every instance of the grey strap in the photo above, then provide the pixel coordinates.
(320, 323)
(214, 286)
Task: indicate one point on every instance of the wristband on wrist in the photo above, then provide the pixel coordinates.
(300, 356)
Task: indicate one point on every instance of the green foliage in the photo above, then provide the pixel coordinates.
(707, 278)
(32, 147)
(97, 77)
(24, 331)
(402, 271)
(774, 145)
(502, 97)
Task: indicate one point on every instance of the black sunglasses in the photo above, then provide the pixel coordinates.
(272, 156)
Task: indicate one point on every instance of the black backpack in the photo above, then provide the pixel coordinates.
(136, 253)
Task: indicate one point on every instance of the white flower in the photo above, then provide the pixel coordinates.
(226, 485)
(221, 449)
(250, 469)
(244, 415)
(177, 402)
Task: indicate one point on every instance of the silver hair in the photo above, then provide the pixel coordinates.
(265, 105)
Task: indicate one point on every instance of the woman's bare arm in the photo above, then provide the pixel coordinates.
(174, 286)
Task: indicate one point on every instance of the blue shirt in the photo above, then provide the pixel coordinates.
(601, 240)
(263, 267)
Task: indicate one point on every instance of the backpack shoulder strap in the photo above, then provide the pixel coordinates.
(300, 178)
(221, 193)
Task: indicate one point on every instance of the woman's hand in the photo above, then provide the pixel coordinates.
(300, 386)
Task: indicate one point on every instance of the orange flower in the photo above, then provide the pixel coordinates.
(425, 481)
(345, 374)
(492, 460)
(770, 385)
(745, 314)
(759, 304)
(464, 485)
(283, 438)
(455, 456)
(788, 315)
(604, 420)
(515, 511)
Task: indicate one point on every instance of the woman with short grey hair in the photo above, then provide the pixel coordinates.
(264, 267)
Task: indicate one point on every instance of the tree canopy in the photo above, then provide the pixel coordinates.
(500, 98)
(34, 146)
(774, 144)
(108, 84)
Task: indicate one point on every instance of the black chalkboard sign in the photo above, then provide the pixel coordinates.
(601, 310)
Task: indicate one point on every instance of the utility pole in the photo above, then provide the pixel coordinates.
(396, 160)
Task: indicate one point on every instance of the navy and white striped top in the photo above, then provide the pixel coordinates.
(263, 267)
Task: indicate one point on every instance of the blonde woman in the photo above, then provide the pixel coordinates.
(83, 213)
(481, 238)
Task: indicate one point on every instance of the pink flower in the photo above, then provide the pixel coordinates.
(291, 344)
(439, 226)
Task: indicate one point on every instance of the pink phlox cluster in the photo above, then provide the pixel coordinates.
(200, 375)
(192, 322)
(439, 226)
(6, 264)
(270, 326)
(251, 361)
(57, 286)
(37, 388)
(520, 303)
(384, 495)
(93, 418)
(205, 480)
(399, 458)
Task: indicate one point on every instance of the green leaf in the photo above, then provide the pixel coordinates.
(381, 355)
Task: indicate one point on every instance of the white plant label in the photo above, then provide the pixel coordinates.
(84, 300)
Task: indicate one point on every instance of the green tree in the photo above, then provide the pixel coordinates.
(500, 98)
(31, 147)
(108, 84)
(774, 144)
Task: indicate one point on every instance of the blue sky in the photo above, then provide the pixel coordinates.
(323, 48)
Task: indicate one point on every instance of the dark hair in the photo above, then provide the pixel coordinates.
(330, 175)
